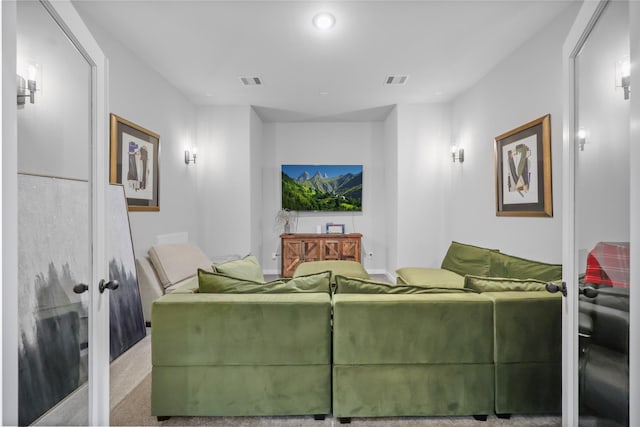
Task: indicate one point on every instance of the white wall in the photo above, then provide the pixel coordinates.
(327, 143)
(141, 95)
(424, 161)
(224, 217)
(525, 86)
(390, 152)
(255, 168)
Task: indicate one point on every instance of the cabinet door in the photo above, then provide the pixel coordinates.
(351, 250)
(291, 256)
(331, 249)
(311, 250)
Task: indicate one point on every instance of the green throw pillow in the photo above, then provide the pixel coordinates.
(499, 284)
(245, 268)
(353, 285)
(467, 259)
(218, 283)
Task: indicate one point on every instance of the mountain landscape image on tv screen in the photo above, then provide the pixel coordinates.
(322, 187)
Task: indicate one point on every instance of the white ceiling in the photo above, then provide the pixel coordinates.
(203, 47)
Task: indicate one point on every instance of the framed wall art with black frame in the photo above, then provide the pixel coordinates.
(134, 154)
(523, 170)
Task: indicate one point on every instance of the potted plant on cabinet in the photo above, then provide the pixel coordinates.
(286, 219)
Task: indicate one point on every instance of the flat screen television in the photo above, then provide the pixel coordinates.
(331, 188)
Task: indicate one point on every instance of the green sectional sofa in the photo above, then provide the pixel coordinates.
(440, 342)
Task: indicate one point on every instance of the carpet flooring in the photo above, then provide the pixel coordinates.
(135, 410)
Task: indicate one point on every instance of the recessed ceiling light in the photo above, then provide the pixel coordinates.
(324, 21)
(323, 93)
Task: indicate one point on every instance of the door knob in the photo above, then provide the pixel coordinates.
(553, 288)
(111, 284)
(80, 288)
(588, 291)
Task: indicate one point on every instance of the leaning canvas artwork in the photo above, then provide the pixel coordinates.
(53, 256)
(127, 325)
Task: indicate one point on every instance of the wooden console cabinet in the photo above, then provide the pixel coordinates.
(298, 248)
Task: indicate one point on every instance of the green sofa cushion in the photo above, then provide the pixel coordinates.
(503, 265)
(528, 326)
(241, 390)
(337, 267)
(413, 390)
(218, 283)
(247, 329)
(245, 268)
(350, 285)
(467, 259)
(499, 284)
(438, 277)
(528, 388)
(416, 328)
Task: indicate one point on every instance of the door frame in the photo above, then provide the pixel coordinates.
(582, 27)
(580, 30)
(70, 22)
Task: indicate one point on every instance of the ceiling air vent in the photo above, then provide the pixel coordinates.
(251, 81)
(396, 80)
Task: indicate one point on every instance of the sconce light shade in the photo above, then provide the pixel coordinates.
(26, 89)
(623, 76)
(28, 81)
(459, 152)
(582, 138)
(190, 156)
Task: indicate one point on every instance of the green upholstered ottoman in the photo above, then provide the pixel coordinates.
(337, 267)
(412, 355)
(528, 351)
(241, 354)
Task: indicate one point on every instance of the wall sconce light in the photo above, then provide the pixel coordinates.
(28, 81)
(623, 76)
(582, 138)
(459, 152)
(190, 156)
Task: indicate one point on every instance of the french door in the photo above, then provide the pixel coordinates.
(63, 317)
(597, 217)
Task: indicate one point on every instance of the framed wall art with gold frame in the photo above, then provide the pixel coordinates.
(523, 170)
(134, 156)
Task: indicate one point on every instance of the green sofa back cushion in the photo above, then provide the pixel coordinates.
(503, 265)
(218, 283)
(353, 285)
(499, 284)
(467, 259)
(429, 277)
(337, 267)
(245, 268)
